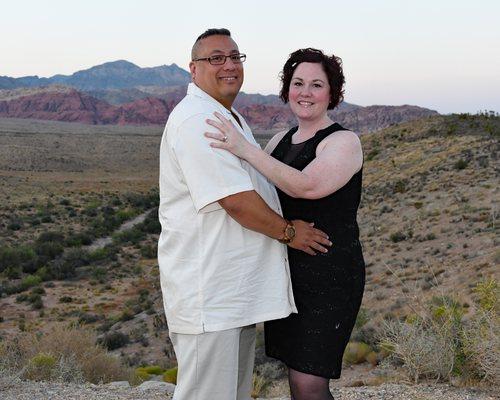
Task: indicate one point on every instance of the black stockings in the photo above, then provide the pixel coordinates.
(308, 387)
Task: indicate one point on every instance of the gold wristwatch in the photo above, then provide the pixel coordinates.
(288, 233)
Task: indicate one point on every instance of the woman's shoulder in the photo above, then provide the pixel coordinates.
(273, 142)
(343, 137)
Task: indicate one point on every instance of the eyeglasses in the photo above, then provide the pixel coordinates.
(220, 59)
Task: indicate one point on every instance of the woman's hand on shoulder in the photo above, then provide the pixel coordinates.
(228, 137)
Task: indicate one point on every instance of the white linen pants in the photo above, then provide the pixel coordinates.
(215, 365)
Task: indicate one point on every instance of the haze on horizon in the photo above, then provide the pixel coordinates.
(443, 55)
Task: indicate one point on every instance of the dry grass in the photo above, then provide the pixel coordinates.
(69, 354)
(439, 342)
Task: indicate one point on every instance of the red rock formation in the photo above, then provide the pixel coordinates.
(73, 106)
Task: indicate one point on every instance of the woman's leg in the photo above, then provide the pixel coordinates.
(308, 387)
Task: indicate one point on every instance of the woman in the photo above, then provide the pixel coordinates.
(317, 168)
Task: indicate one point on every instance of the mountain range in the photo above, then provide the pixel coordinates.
(123, 93)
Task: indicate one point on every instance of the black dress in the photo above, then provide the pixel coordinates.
(328, 288)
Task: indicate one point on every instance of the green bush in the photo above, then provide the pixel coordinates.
(460, 164)
(36, 302)
(152, 224)
(154, 370)
(149, 251)
(170, 375)
(79, 239)
(114, 340)
(141, 375)
(133, 236)
(50, 236)
(397, 237)
(356, 353)
(21, 256)
(65, 266)
(47, 251)
(15, 225)
(400, 186)
(65, 299)
(30, 281)
(41, 367)
(85, 318)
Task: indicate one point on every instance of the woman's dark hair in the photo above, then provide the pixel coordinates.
(331, 65)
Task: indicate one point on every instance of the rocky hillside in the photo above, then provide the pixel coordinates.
(428, 220)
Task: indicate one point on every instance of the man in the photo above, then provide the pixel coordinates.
(222, 267)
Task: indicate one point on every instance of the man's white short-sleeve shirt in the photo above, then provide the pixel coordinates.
(214, 273)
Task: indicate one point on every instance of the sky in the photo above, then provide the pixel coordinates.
(440, 54)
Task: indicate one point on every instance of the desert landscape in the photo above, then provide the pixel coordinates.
(80, 302)
(428, 220)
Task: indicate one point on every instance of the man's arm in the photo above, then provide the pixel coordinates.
(252, 212)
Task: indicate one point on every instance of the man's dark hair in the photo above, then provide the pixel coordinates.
(207, 33)
(331, 65)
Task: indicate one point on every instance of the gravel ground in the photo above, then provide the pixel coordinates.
(28, 390)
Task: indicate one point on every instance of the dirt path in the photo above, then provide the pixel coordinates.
(102, 242)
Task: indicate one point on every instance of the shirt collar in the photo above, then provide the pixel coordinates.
(196, 91)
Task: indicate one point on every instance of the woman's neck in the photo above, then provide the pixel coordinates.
(307, 129)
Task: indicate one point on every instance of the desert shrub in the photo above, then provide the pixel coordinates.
(133, 236)
(68, 354)
(356, 353)
(151, 224)
(50, 236)
(400, 186)
(154, 370)
(79, 239)
(438, 342)
(41, 367)
(460, 164)
(85, 318)
(170, 375)
(126, 315)
(397, 237)
(365, 330)
(372, 154)
(22, 256)
(46, 219)
(271, 370)
(142, 201)
(423, 349)
(47, 251)
(114, 340)
(99, 273)
(36, 302)
(38, 290)
(15, 225)
(30, 281)
(149, 251)
(22, 297)
(107, 253)
(65, 299)
(259, 385)
(141, 375)
(481, 339)
(13, 272)
(65, 266)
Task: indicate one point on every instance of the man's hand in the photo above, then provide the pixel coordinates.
(308, 239)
